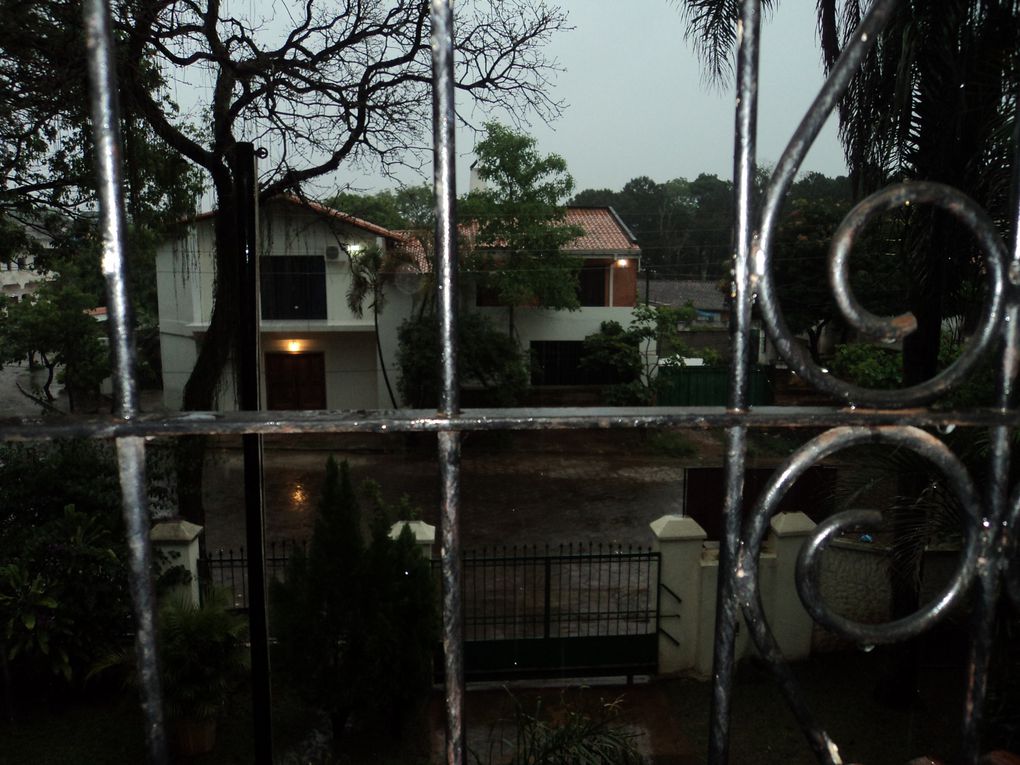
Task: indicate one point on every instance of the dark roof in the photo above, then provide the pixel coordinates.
(705, 296)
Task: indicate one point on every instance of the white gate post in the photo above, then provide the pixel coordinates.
(790, 623)
(178, 538)
(424, 535)
(679, 541)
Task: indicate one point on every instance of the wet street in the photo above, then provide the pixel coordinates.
(513, 496)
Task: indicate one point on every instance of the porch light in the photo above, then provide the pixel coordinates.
(622, 262)
(294, 346)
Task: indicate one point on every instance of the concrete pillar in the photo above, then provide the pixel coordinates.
(424, 535)
(177, 540)
(790, 622)
(679, 540)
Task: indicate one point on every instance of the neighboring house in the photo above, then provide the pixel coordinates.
(316, 353)
(607, 291)
(705, 296)
(18, 275)
(710, 328)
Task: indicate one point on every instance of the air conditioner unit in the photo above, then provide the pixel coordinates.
(332, 252)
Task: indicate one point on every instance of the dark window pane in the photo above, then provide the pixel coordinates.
(557, 362)
(293, 287)
(591, 285)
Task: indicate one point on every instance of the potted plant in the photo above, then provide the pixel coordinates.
(203, 658)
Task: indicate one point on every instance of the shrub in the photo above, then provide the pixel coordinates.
(356, 623)
(488, 357)
(64, 599)
(570, 737)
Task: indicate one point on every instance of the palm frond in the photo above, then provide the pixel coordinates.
(712, 29)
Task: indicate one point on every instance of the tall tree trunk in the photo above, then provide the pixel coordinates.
(216, 351)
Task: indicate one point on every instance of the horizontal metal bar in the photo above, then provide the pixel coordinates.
(418, 420)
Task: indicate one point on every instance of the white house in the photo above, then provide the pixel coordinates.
(316, 353)
(19, 277)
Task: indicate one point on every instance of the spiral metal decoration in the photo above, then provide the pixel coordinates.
(990, 516)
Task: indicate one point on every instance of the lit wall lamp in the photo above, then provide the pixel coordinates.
(294, 346)
(622, 262)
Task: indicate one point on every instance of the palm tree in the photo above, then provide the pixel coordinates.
(934, 100)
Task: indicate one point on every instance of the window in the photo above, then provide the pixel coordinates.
(591, 284)
(293, 287)
(558, 362)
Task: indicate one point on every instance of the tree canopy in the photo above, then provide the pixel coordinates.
(926, 103)
(516, 222)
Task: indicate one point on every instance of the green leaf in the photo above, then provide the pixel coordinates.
(28, 620)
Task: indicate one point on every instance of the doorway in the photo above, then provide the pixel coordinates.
(295, 381)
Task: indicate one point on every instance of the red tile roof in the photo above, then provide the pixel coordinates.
(604, 234)
(603, 231)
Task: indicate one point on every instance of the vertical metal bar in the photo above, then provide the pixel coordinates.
(548, 596)
(995, 532)
(104, 111)
(248, 344)
(740, 324)
(445, 182)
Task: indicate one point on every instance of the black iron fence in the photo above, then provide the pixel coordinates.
(583, 590)
(511, 592)
(227, 570)
(559, 611)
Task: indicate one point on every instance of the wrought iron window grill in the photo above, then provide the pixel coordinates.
(871, 416)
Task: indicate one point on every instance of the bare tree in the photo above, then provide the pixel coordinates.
(340, 83)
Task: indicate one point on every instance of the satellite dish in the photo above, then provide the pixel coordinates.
(407, 279)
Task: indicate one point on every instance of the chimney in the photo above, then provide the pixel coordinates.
(476, 182)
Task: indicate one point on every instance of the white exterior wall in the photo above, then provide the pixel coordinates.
(18, 280)
(185, 280)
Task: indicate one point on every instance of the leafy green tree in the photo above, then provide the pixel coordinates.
(488, 358)
(409, 207)
(44, 126)
(926, 104)
(517, 223)
(868, 365)
(54, 324)
(64, 600)
(683, 227)
(317, 615)
(372, 270)
(627, 361)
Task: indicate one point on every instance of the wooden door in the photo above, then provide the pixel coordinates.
(295, 381)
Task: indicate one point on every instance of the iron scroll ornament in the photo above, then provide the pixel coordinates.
(890, 329)
(951, 200)
(748, 583)
(985, 554)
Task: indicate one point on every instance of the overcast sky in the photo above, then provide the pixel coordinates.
(638, 105)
